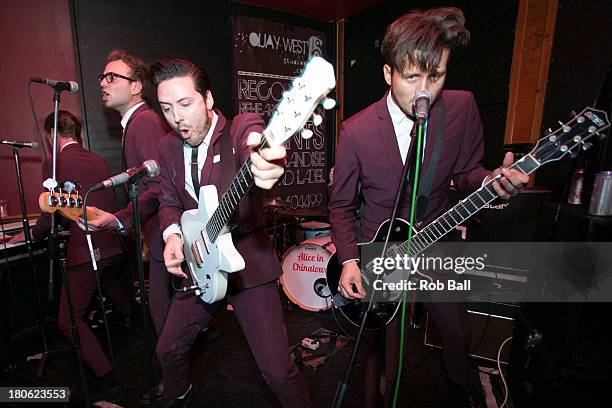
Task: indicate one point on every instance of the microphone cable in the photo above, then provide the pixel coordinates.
(404, 300)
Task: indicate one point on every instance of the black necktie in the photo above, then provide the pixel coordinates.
(194, 171)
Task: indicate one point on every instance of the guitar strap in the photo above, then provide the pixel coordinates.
(228, 164)
(427, 178)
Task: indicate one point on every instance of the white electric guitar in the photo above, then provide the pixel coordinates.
(208, 247)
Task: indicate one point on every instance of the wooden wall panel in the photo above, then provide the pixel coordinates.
(532, 47)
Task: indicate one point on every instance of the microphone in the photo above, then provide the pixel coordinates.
(69, 86)
(422, 100)
(149, 168)
(31, 145)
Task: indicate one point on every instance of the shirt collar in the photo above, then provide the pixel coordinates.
(68, 144)
(128, 114)
(397, 115)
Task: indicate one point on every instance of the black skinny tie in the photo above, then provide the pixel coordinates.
(194, 172)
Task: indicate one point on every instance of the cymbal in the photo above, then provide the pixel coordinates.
(277, 203)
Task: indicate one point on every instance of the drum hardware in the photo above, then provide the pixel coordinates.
(311, 229)
(274, 205)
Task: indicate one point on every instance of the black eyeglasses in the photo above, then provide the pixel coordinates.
(109, 76)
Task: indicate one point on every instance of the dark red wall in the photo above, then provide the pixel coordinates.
(36, 42)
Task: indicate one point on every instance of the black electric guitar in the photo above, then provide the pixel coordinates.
(567, 140)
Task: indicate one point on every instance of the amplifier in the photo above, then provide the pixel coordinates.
(489, 330)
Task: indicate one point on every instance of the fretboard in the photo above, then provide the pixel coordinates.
(231, 199)
(457, 214)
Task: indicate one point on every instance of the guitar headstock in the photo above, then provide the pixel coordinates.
(69, 205)
(572, 136)
(300, 101)
(68, 202)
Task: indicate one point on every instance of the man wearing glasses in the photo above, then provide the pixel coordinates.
(122, 84)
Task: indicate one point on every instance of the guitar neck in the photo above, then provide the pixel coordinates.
(231, 199)
(74, 213)
(459, 213)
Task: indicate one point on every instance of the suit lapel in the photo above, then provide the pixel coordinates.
(205, 176)
(386, 133)
(433, 125)
(179, 172)
(141, 108)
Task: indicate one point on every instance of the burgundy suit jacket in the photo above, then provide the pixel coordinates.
(249, 236)
(85, 169)
(368, 156)
(141, 138)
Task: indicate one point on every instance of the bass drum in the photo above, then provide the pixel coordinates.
(304, 270)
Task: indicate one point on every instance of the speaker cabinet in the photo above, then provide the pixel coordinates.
(488, 333)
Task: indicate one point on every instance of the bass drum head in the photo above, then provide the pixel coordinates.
(304, 273)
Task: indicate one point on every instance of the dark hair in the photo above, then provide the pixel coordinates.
(139, 69)
(419, 37)
(68, 125)
(163, 70)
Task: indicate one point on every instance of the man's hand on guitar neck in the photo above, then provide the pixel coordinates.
(173, 255)
(350, 280)
(512, 181)
(101, 220)
(268, 165)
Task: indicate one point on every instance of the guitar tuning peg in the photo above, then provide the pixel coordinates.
(573, 114)
(317, 119)
(600, 136)
(50, 184)
(573, 154)
(547, 132)
(68, 187)
(586, 145)
(328, 103)
(306, 133)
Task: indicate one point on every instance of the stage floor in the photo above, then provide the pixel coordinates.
(224, 372)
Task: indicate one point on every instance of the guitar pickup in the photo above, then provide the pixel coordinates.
(195, 250)
(204, 242)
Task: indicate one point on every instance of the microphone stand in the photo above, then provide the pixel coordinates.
(53, 237)
(28, 240)
(144, 302)
(53, 244)
(343, 386)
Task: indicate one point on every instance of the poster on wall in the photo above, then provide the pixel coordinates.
(267, 57)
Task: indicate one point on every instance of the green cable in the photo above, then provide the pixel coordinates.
(404, 296)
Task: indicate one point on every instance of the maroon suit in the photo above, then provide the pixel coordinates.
(85, 169)
(252, 291)
(368, 155)
(141, 137)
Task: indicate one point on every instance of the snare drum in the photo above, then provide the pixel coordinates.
(311, 229)
(304, 270)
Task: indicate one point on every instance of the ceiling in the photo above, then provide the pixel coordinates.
(325, 10)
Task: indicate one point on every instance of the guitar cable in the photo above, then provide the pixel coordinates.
(417, 171)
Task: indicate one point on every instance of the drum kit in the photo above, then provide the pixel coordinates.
(304, 245)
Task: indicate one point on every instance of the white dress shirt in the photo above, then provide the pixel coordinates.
(202, 154)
